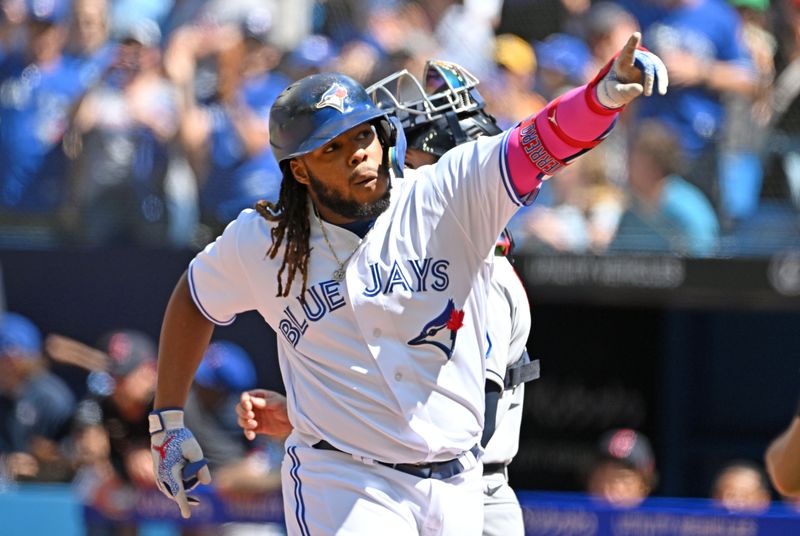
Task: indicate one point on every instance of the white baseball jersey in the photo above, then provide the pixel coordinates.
(386, 365)
(507, 330)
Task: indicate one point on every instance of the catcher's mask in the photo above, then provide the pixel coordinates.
(447, 111)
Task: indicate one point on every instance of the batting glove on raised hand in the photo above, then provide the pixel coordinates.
(178, 460)
(633, 72)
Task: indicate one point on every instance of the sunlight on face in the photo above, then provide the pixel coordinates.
(345, 177)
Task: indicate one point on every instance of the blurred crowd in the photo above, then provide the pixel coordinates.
(145, 123)
(94, 434)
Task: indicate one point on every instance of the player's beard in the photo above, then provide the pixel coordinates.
(347, 208)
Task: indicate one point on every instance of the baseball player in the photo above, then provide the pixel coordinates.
(377, 290)
(434, 121)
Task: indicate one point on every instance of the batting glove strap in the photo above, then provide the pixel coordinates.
(608, 93)
(165, 419)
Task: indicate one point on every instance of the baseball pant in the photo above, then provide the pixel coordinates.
(330, 493)
(501, 510)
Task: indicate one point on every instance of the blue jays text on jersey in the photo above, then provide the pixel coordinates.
(409, 275)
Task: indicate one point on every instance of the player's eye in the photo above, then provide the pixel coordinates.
(365, 133)
(330, 148)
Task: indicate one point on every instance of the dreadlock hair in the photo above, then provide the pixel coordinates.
(291, 213)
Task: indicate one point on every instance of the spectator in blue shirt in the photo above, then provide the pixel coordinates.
(35, 405)
(666, 212)
(37, 90)
(226, 136)
(701, 44)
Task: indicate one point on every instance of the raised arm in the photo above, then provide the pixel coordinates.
(580, 119)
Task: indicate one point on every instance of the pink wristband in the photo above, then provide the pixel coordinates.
(543, 144)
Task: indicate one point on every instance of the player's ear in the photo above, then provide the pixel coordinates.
(299, 171)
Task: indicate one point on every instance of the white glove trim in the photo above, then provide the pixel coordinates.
(165, 419)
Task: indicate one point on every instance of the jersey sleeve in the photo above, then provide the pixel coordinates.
(218, 282)
(470, 185)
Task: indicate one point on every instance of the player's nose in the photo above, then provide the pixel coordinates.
(358, 156)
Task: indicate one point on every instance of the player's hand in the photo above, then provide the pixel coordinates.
(633, 72)
(178, 461)
(263, 412)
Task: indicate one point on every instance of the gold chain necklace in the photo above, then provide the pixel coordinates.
(338, 274)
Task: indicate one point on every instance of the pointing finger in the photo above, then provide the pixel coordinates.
(626, 56)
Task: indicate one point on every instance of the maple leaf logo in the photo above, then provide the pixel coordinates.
(456, 320)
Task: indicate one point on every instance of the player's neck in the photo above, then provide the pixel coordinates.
(359, 228)
(331, 216)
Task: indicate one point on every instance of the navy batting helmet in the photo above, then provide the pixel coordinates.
(446, 112)
(315, 109)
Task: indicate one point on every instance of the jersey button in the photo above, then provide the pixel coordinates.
(377, 332)
(398, 376)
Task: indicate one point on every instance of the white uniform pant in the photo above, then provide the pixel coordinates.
(501, 510)
(330, 493)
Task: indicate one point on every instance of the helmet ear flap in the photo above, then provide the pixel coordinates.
(390, 132)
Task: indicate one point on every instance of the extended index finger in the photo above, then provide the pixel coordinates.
(626, 56)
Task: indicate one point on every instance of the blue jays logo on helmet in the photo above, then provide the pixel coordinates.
(334, 98)
(441, 331)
